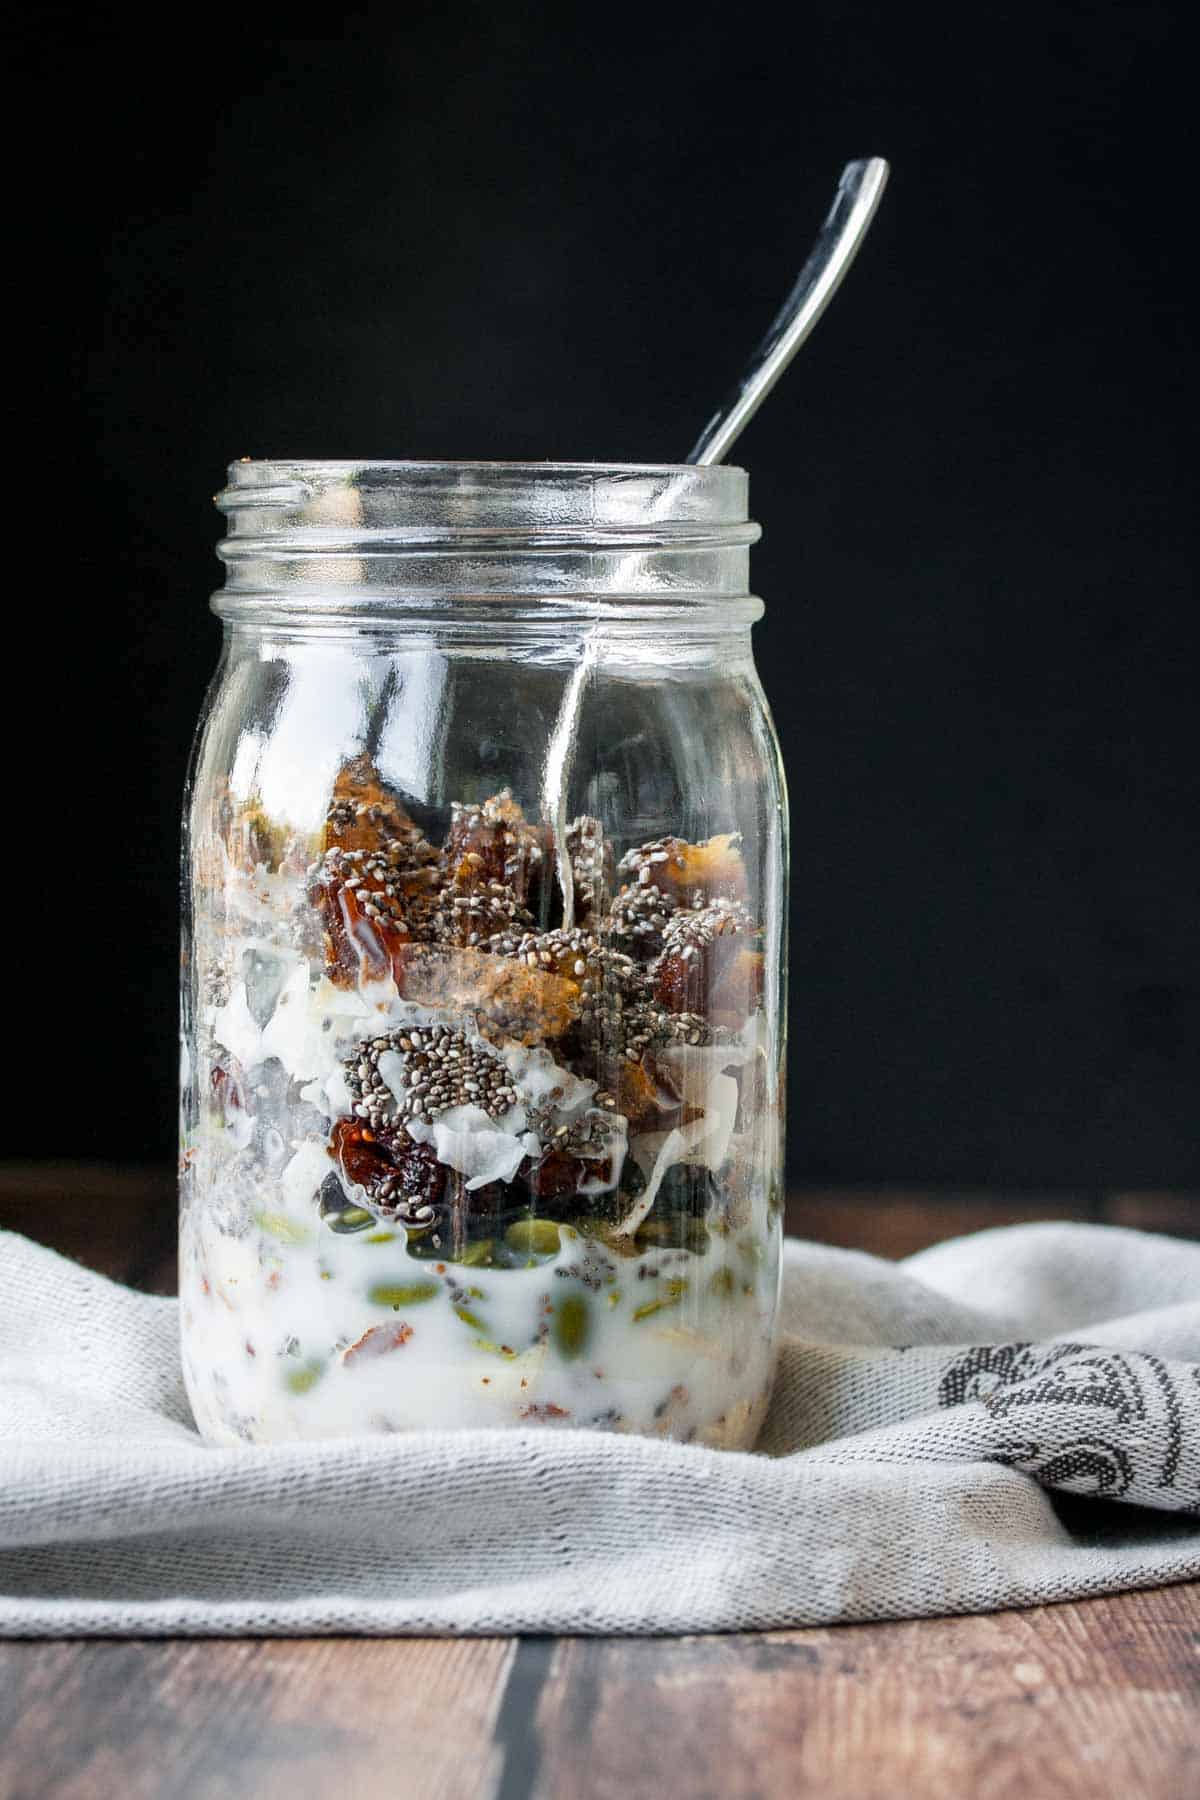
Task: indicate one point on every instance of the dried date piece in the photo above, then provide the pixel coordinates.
(607, 978)
(493, 841)
(624, 1032)
(681, 871)
(637, 920)
(554, 1176)
(364, 814)
(643, 1093)
(362, 916)
(470, 912)
(737, 991)
(579, 1154)
(700, 949)
(369, 902)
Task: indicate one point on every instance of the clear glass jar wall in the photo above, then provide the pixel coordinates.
(483, 973)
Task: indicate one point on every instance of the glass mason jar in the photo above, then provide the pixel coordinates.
(483, 996)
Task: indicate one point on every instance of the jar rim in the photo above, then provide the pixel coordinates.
(284, 495)
(539, 465)
(408, 531)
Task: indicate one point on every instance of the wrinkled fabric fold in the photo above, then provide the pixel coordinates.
(1007, 1419)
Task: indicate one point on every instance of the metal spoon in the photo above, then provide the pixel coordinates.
(858, 194)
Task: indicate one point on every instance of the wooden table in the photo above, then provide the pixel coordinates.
(1092, 1699)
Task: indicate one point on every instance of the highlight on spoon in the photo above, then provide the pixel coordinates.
(858, 195)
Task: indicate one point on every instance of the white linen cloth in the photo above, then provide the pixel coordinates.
(924, 1415)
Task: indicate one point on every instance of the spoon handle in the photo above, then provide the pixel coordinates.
(858, 194)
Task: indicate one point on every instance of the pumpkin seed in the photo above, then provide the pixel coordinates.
(618, 1243)
(572, 1326)
(396, 1295)
(281, 1227)
(671, 1295)
(300, 1380)
(352, 1218)
(536, 1237)
(679, 1232)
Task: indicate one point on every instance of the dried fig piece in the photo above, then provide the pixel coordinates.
(492, 840)
(509, 998)
(681, 871)
(400, 1179)
(364, 813)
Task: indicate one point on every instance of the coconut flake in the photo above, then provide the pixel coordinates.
(613, 1150)
(292, 1033)
(391, 1073)
(536, 1077)
(240, 1127)
(263, 896)
(659, 1151)
(469, 1141)
(303, 1176)
(697, 1075)
(331, 1096)
(235, 1030)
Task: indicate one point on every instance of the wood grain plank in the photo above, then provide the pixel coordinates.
(276, 1719)
(117, 1219)
(896, 1222)
(1176, 1214)
(1094, 1701)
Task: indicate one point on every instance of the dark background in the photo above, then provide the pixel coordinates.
(528, 232)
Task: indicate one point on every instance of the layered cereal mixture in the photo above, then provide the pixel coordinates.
(452, 1158)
